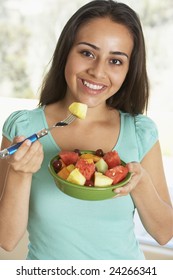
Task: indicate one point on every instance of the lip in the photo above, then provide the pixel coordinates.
(92, 87)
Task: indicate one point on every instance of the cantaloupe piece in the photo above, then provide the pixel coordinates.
(78, 109)
(64, 173)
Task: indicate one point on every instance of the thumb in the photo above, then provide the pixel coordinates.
(18, 139)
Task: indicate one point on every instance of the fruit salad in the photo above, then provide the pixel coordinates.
(88, 168)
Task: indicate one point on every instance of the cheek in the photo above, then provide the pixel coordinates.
(70, 69)
(118, 79)
(69, 74)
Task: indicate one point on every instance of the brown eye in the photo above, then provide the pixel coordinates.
(87, 54)
(115, 61)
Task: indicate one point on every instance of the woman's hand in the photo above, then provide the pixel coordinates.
(15, 186)
(28, 158)
(137, 172)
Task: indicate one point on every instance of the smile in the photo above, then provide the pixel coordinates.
(92, 86)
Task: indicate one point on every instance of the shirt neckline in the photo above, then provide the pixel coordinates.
(115, 147)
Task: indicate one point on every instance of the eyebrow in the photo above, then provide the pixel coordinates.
(97, 48)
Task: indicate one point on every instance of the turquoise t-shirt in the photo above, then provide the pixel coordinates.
(64, 228)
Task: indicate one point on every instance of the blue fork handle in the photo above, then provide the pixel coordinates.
(11, 150)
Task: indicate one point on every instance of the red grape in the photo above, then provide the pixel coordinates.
(99, 153)
(57, 165)
(77, 151)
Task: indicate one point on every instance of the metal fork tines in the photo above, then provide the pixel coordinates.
(65, 122)
(62, 123)
(12, 149)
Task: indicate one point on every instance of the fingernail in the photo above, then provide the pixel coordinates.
(117, 191)
(28, 142)
(19, 138)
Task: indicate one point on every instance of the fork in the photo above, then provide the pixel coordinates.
(12, 149)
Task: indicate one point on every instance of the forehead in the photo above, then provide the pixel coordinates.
(105, 33)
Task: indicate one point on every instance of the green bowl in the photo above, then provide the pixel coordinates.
(84, 192)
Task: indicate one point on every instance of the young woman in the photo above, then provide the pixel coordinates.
(99, 60)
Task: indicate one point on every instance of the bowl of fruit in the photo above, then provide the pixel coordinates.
(89, 175)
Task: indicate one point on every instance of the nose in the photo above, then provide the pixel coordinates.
(97, 69)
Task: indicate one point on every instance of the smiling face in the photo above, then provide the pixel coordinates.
(98, 61)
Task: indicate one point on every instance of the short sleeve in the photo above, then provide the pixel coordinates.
(146, 134)
(16, 124)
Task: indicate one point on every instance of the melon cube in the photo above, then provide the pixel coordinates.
(90, 156)
(78, 109)
(76, 177)
(101, 180)
(70, 167)
(63, 173)
(101, 165)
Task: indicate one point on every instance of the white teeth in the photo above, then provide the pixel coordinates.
(91, 86)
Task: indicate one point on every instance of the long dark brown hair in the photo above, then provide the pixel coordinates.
(133, 95)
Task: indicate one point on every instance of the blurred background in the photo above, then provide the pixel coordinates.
(29, 31)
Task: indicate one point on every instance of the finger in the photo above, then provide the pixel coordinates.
(134, 167)
(34, 159)
(21, 151)
(126, 188)
(30, 161)
(33, 152)
(123, 190)
(136, 172)
(129, 186)
(18, 139)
